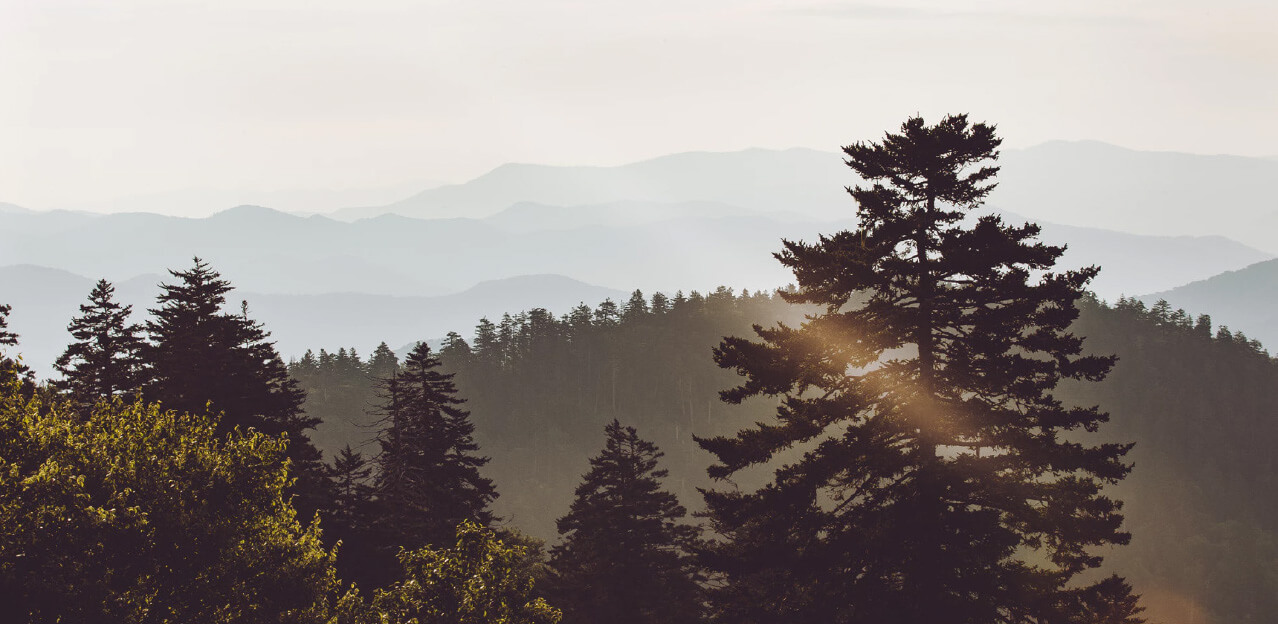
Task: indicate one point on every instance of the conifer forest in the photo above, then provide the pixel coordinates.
(933, 421)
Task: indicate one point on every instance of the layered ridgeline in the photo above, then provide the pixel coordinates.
(1198, 402)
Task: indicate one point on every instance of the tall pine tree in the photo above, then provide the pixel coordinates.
(200, 359)
(428, 478)
(924, 470)
(626, 552)
(105, 358)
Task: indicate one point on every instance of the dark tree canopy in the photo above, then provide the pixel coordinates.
(105, 358)
(428, 478)
(200, 355)
(626, 552)
(200, 359)
(926, 471)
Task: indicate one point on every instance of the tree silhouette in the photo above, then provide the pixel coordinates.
(201, 359)
(925, 474)
(428, 477)
(10, 366)
(105, 358)
(626, 554)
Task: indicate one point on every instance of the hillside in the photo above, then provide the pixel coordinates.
(1246, 300)
(1199, 409)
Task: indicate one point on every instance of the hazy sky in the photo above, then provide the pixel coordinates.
(102, 100)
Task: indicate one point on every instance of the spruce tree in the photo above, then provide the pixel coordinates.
(383, 363)
(924, 470)
(202, 359)
(11, 366)
(105, 359)
(428, 477)
(7, 338)
(626, 552)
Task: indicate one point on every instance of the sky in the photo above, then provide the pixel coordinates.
(325, 103)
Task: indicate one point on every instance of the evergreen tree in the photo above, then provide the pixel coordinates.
(936, 486)
(636, 308)
(660, 303)
(428, 477)
(199, 358)
(455, 350)
(351, 484)
(486, 340)
(383, 363)
(7, 338)
(350, 517)
(625, 556)
(607, 314)
(11, 367)
(105, 359)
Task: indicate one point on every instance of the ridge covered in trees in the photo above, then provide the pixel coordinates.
(1196, 399)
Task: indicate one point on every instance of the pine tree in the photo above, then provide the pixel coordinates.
(383, 363)
(455, 350)
(636, 308)
(428, 477)
(625, 556)
(105, 359)
(10, 366)
(351, 475)
(934, 484)
(200, 359)
(7, 338)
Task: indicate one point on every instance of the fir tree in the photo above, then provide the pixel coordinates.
(7, 338)
(383, 363)
(455, 350)
(105, 359)
(428, 477)
(607, 314)
(10, 366)
(936, 486)
(353, 491)
(200, 359)
(350, 517)
(625, 556)
(636, 308)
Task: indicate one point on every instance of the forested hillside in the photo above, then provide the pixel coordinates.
(1199, 403)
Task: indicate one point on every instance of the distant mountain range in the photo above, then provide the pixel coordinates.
(621, 245)
(680, 222)
(1079, 183)
(804, 181)
(1246, 300)
(44, 300)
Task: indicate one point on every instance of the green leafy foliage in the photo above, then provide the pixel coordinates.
(135, 514)
(477, 581)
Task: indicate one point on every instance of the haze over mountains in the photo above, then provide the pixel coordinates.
(1153, 221)
(1080, 183)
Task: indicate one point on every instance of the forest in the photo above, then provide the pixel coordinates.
(927, 425)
